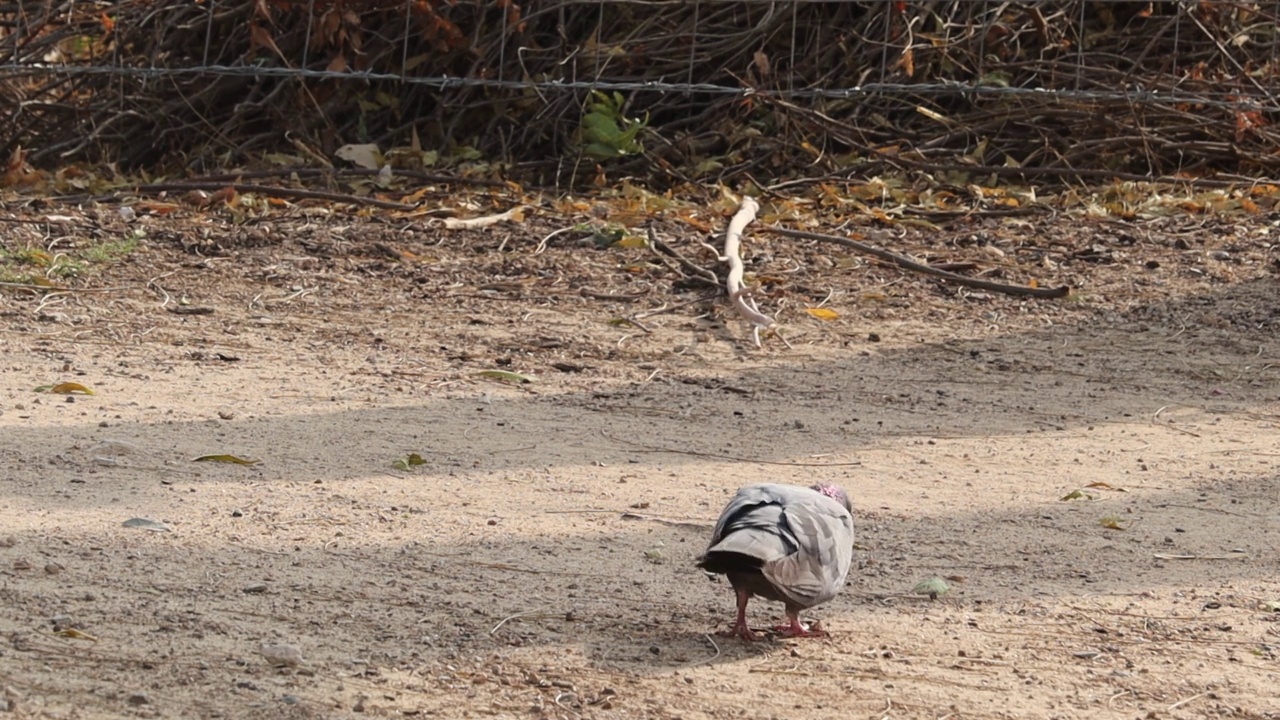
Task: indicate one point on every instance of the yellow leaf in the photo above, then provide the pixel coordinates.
(1111, 522)
(823, 313)
(232, 459)
(70, 388)
(76, 634)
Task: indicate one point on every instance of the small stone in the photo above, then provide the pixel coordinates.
(138, 699)
(52, 568)
(290, 699)
(8, 541)
(281, 655)
(21, 564)
(255, 589)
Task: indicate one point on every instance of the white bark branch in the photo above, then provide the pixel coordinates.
(738, 295)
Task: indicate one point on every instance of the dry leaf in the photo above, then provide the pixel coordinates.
(505, 376)
(823, 313)
(1111, 522)
(70, 388)
(231, 459)
(366, 156)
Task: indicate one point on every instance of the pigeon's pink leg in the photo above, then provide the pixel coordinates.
(795, 629)
(740, 628)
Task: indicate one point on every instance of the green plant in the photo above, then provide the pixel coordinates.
(605, 132)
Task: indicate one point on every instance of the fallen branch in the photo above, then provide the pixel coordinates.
(267, 190)
(909, 264)
(516, 213)
(738, 295)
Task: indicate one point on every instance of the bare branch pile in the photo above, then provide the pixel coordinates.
(1157, 88)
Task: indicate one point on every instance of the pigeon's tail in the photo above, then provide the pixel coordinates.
(722, 562)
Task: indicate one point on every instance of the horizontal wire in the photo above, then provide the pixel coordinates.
(1234, 100)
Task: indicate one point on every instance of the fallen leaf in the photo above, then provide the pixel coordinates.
(505, 376)
(70, 388)
(1111, 522)
(366, 156)
(823, 313)
(1077, 495)
(75, 634)
(232, 459)
(146, 524)
(408, 461)
(934, 587)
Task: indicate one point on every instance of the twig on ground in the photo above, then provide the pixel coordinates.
(527, 613)
(717, 456)
(628, 515)
(909, 264)
(1232, 556)
(268, 190)
(666, 309)
(711, 659)
(516, 213)
(594, 295)
(1180, 703)
(698, 273)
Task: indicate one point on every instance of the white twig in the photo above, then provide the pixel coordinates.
(738, 295)
(516, 213)
(1180, 703)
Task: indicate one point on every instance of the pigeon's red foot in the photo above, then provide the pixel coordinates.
(796, 629)
(741, 631)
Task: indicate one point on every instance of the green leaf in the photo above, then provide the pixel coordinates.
(598, 151)
(1077, 495)
(934, 587)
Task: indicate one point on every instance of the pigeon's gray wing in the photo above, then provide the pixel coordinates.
(749, 524)
(821, 530)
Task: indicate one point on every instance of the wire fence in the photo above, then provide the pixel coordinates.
(692, 90)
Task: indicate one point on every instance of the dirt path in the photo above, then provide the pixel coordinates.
(539, 564)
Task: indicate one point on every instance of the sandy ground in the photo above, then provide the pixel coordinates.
(540, 562)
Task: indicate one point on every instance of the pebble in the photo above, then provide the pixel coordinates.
(281, 655)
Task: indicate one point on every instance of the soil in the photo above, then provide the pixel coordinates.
(1094, 478)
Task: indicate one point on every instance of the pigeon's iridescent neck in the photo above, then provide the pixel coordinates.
(835, 492)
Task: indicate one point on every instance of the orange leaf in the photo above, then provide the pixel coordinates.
(70, 388)
(823, 313)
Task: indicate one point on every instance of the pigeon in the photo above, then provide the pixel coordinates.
(785, 543)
